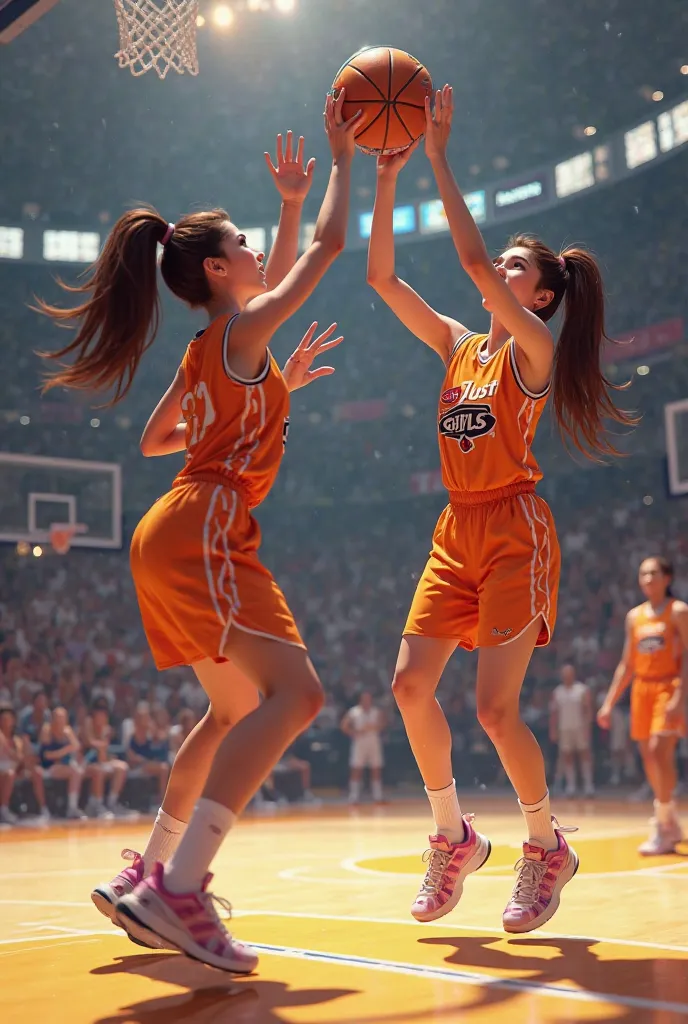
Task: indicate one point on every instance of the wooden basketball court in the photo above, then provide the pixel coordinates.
(324, 896)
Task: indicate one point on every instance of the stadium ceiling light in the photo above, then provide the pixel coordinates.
(37, 551)
(590, 130)
(658, 95)
(223, 16)
(643, 371)
(200, 21)
(684, 69)
(285, 6)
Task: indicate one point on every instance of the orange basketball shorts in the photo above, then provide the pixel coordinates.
(649, 699)
(492, 571)
(194, 559)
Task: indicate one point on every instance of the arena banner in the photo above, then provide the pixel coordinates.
(646, 341)
(359, 412)
(427, 481)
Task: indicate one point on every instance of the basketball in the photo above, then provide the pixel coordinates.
(390, 87)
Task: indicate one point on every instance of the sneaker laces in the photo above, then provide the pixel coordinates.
(437, 861)
(530, 875)
(211, 903)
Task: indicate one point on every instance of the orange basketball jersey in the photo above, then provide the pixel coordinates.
(236, 429)
(487, 419)
(656, 645)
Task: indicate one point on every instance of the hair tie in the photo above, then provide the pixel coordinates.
(168, 234)
(562, 262)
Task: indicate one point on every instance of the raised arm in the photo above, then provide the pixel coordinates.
(621, 679)
(292, 181)
(438, 331)
(531, 335)
(165, 432)
(256, 324)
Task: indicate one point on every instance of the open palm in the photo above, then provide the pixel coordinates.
(297, 371)
(292, 179)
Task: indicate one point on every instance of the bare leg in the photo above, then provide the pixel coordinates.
(120, 770)
(663, 751)
(6, 787)
(501, 671)
(420, 665)
(355, 778)
(293, 697)
(232, 695)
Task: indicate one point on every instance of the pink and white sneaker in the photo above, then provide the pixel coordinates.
(187, 921)
(448, 866)
(662, 839)
(107, 895)
(542, 874)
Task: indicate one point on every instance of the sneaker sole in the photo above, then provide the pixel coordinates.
(106, 907)
(482, 854)
(551, 910)
(137, 928)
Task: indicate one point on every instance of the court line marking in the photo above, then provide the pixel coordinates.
(451, 925)
(351, 864)
(42, 903)
(474, 978)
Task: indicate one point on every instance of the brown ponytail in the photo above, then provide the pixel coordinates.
(119, 319)
(581, 393)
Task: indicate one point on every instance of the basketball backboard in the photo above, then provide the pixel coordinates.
(676, 432)
(37, 491)
(17, 15)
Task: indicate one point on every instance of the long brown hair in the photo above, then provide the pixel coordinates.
(581, 394)
(119, 319)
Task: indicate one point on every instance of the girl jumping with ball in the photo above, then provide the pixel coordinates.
(492, 577)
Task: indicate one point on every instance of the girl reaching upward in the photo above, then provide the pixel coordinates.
(492, 577)
(206, 600)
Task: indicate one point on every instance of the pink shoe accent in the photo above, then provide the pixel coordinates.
(542, 874)
(187, 921)
(448, 865)
(106, 896)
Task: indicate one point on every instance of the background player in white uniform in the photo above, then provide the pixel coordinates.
(364, 724)
(570, 728)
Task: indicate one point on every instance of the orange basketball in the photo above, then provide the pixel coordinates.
(390, 87)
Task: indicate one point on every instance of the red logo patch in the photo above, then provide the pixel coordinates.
(466, 445)
(453, 395)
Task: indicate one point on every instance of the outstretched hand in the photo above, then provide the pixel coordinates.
(389, 164)
(291, 178)
(297, 370)
(341, 134)
(438, 122)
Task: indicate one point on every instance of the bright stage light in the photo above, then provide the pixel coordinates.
(285, 6)
(223, 16)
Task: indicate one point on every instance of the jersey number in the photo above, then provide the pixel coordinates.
(198, 412)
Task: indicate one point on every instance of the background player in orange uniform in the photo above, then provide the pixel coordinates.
(492, 578)
(654, 659)
(205, 598)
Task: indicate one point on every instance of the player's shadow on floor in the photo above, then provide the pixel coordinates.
(576, 966)
(212, 997)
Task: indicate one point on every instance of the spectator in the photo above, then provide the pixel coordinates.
(145, 755)
(100, 763)
(11, 760)
(58, 749)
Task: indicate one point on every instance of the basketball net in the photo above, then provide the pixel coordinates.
(62, 534)
(157, 36)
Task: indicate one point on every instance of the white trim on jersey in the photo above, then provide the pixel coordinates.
(225, 360)
(460, 341)
(535, 395)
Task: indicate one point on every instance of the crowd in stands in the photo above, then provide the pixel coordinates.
(80, 697)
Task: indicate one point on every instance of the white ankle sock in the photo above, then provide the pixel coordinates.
(539, 822)
(665, 813)
(355, 790)
(163, 840)
(376, 787)
(205, 833)
(447, 813)
(72, 801)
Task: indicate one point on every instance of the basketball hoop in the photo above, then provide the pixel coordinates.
(157, 35)
(62, 534)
